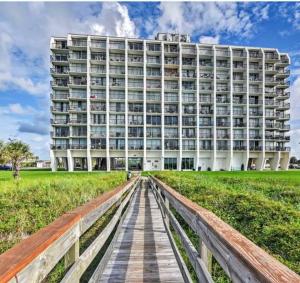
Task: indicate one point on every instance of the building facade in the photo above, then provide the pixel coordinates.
(167, 103)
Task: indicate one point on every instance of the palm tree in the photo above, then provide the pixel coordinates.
(15, 152)
(2, 154)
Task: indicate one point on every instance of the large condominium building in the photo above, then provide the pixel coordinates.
(168, 103)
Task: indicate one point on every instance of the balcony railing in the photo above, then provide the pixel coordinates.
(239, 148)
(59, 121)
(59, 58)
(78, 146)
(59, 146)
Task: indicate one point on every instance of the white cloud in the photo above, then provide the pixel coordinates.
(26, 28)
(209, 39)
(209, 17)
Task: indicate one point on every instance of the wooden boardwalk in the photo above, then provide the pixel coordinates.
(142, 252)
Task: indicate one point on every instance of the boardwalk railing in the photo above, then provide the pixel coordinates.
(34, 258)
(240, 258)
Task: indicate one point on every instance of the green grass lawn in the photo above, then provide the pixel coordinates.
(42, 196)
(264, 206)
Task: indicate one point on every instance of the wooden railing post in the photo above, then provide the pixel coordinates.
(72, 255)
(206, 256)
(167, 204)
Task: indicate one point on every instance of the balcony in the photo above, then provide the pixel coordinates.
(255, 54)
(255, 113)
(222, 100)
(223, 136)
(98, 146)
(255, 90)
(59, 121)
(255, 148)
(58, 96)
(239, 113)
(59, 83)
(77, 43)
(117, 45)
(223, 112)
(222, 147)
(283, 117)
(255, 137)
(59, 45)
(222, 53)
(205, 52)
(59, 109)
(239, 147)
(239, 101)
(240, 53)
(78, 146)
(239, 89)
(78, 81)
(277, 148)
(101, 44)
(205, 135)
(78, 121)
(239, 125)
(203, 147)
(59, 71)
(223, 124)
(59, 146)
(59, 58)
(135, 46)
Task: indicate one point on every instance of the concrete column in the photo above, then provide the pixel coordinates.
(107, 106)
(260, 163)
(53, 161)
(263, 109)
(275, 161)
(162, 106)
(180, 108)
(197, 110)
(126, 104)
(285, 160)
(214, 151)
(247, 153)
(145, 104)
(88, 104)
(70, 161)
(230, 152)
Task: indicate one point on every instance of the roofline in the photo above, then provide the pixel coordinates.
(185, 43)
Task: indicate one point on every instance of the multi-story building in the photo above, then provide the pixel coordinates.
(168, 103)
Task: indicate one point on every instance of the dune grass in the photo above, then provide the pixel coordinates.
(39, 197)
(264, 206)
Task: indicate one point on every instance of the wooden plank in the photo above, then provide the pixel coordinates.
(201, 270)
(82, 263)
(142, 252)
(241, 259)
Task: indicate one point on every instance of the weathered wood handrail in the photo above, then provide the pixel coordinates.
(33, 258)
(240, 258)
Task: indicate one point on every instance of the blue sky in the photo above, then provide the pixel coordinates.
(25, 30)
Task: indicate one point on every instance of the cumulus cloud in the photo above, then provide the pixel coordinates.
(208, 17)
(26, 28)
(209, 39)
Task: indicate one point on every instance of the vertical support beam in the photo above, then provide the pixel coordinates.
(167, 204)
(53, 161)
(275, 161)
(246, 158)
(214, 151)
(162, 106)
(70, 161)
(180, 107)
(126, 104)
(230, 152)
(72, 255)
(107, 106)
(88, 104)
(197, 110)
(284, 160)
(145, 103)
(261, 160)
(206, 256)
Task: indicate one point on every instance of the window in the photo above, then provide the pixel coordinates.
(188, 145)
(153, 144)
(171, 132)
(187, 164)
(153, 108)
(135, 144)
(153, 120)
(170, 163)
(171, 120)
(135, 119)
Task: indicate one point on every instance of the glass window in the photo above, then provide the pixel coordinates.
(170, 163)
